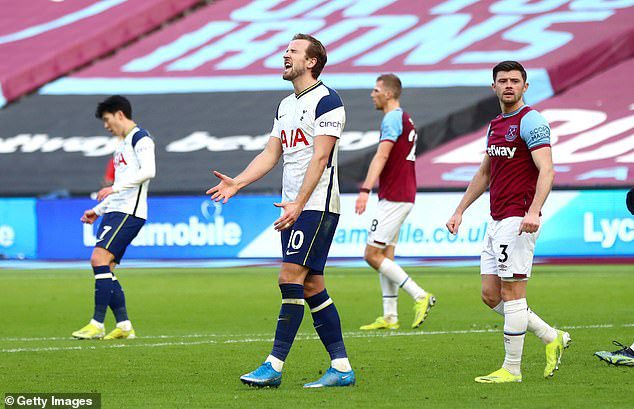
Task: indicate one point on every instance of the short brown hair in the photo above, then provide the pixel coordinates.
(509, 66)
(315, 50)
(393, 83)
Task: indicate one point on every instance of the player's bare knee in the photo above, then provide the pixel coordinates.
(490, 298)
(311, 289)
(373, 256)
(101, 257)
(292, 274)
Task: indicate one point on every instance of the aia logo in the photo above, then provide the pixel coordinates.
(119, 159)
(511, 133)
(296, 137)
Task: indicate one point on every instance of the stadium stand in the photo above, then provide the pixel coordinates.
(40, 41)
(207, 84)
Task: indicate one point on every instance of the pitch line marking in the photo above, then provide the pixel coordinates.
(269, 339)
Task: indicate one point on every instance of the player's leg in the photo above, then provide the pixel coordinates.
(493, 291)
(291, 283)
(384, 232)
(520, 262)
(328, 326)
(100, 261)
(389, 289)
(117, 304)
(116, 242)
(491, 296)
(515, 323)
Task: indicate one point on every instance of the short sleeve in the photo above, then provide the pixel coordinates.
(330, 115)
(139, 135)
(535, 130)
(275, 132)
(392, 125)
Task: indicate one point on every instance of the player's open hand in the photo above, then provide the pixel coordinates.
(362, 201)
(530, 223)
(224, 190)
(89, 217)
(454, 223)
(292, 211)
(103, 193)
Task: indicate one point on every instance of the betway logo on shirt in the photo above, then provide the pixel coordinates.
(503, 151)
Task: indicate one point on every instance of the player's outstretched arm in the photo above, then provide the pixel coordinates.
(477, 186)
(374, 171)
(323, 145)
(257, 168)
(543, 159)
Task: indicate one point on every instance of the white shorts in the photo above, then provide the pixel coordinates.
(384, 229)
(506, 253)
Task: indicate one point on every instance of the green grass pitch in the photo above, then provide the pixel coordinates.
(199, 330)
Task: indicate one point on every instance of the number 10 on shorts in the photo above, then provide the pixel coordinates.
(295, 241)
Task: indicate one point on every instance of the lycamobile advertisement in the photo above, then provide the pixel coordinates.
(574, 223)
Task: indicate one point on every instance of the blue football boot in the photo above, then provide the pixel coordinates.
(263, 377)
(333, 377)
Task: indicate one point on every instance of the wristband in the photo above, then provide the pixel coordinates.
(364, 190)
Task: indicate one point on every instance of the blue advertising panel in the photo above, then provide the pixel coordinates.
(591, 223)
(177, 227)
(574, 223)
(17, 228)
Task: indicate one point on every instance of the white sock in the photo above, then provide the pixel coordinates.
(97, 324)
(341, 364)
(535, 324)
(276, 363)
(125, 325)
(398, 276)
(515, 324)
(540, 328)
(390, 299)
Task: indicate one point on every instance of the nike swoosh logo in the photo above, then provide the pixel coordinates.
(346, 377)
(290, 253)
(281, 116)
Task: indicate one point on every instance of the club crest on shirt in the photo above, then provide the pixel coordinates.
(511, 133)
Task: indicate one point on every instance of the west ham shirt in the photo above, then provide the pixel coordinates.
(510, 140)
(397, 182)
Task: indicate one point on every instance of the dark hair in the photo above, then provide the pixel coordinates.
(392, 82)
(509, 66)
(112, 105)
(315, 50)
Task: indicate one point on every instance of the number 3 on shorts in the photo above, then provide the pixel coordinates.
(505, 255)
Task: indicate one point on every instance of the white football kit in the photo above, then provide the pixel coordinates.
(134, 167)
(318, 110)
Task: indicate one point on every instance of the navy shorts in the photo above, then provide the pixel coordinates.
(308, 241)
(116, 232)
